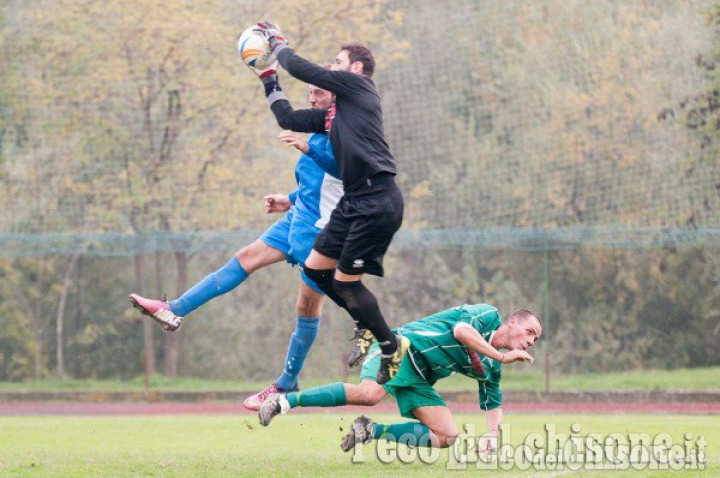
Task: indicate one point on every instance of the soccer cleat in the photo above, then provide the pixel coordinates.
(362, 431)
(389, 366)
(253, 402)
(158, 310)
(363, 340)
(273, 405)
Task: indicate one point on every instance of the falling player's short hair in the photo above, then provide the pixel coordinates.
(524, 315)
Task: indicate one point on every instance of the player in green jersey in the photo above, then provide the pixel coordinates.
(465, 340)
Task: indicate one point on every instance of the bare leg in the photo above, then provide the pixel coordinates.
(368, 393)
(258, 255)
(440, 422)
(319, 261)
(309, 302)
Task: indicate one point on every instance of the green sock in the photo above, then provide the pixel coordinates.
(409, 433)
(332, 395)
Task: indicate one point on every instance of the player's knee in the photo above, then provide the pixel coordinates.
(353, 293)
(309, 304)
(322, 277)
(372, 393)
(246, 258)
(444, 441)
(445, 436)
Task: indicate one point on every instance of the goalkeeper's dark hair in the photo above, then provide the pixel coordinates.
(523, 315)
(359, 52)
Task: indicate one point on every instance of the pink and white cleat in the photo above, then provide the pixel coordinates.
(253, 402)
(158, 310)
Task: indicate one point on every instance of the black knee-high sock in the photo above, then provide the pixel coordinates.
(363, 307)
(324, 279)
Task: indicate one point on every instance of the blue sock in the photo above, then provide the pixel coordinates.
(219, 282)
(300, 343)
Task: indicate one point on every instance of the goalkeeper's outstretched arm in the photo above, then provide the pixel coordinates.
(302, 121)
(342, 83)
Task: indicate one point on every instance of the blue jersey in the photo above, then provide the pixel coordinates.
(318, 191)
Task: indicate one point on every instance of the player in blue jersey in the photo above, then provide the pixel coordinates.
(290, 238)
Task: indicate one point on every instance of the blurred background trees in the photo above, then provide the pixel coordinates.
(135, 150)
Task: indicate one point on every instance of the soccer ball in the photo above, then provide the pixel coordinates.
(254, 49)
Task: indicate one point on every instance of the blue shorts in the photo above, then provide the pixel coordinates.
(294, 238)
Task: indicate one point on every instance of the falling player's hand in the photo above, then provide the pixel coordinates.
(293, 139)
(517, 356)
(277, 203)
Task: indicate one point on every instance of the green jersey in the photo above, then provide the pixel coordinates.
(435, 352)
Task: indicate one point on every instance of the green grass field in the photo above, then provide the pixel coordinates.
(294, 445)
(514, 378)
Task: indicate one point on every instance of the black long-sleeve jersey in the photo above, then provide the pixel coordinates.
(354, 123)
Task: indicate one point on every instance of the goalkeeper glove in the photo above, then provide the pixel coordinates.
(269, 78)
(272, 34)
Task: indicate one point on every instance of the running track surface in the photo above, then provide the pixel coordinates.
(172, 408)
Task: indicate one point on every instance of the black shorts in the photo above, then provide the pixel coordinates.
(361, 227)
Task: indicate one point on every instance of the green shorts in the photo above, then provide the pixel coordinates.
(408, 387)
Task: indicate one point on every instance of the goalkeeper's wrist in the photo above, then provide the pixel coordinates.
(276, 44)
(270, 82)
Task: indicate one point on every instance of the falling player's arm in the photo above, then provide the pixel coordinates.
(471, 338)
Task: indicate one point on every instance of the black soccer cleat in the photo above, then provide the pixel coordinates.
(362, 431)
(389, 366)
(363, 341)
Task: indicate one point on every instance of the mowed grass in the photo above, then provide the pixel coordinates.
(516, 377)
(294, 445)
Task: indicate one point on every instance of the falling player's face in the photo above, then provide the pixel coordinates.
(522, 334)
(319, 98)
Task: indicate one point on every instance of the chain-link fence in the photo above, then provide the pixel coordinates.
(557, 156)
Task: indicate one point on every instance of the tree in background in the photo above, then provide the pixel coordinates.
(149, 121)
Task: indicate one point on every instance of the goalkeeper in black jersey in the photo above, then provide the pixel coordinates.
(362, 225)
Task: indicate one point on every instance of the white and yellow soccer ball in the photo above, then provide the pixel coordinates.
(254, 49)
